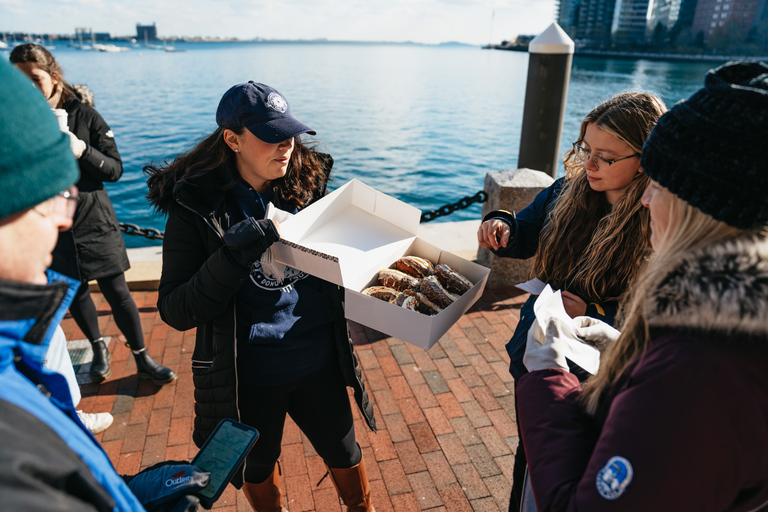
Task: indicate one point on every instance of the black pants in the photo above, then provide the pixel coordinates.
(319, 405)
(124, 310)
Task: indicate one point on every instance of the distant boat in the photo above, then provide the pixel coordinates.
(170, 48)
(150, 46)
(110, 48)
(4, 43)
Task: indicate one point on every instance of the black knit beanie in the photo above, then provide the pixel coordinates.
(36, 162)
(710, 150)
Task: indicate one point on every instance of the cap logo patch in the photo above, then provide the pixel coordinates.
(276, 102)
(614, 477)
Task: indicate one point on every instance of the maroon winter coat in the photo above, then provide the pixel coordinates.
(686, 426)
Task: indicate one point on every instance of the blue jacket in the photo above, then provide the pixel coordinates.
(32, 476)
(525, 229)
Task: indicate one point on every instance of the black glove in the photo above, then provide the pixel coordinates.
(168, 486)
(247, 240)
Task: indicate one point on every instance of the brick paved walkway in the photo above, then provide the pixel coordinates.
(447, 431)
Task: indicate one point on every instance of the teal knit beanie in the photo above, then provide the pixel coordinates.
(36, 162)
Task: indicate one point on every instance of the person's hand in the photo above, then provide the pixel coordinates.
(544, 349)
(169, 486)
(493, 233)
(247, 240)
(595, 332)
(76, 145)
(573, 304)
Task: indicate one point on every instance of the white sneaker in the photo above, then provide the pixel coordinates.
(96, 422)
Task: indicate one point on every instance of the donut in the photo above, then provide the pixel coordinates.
(452, 280)
(415, 266)
(398, 280)
(422, 304)
(381, 292)
(410, 303)
(435, 292)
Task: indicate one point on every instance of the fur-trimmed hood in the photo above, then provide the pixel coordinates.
(721, 288)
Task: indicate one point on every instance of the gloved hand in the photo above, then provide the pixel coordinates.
(76, 145)
(168, 486)
(595, 332)
(247, 240)
(543, 349)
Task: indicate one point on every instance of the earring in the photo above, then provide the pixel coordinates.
(236, 150)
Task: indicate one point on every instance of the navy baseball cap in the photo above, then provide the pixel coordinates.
(262, 110)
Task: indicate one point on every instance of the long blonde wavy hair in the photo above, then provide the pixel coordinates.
(688, 230)
(588, 246)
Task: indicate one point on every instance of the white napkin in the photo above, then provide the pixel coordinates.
(533, 286)
(269, 266)
(549, 308)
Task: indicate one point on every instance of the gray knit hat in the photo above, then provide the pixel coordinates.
(709, 150)
(36, 162)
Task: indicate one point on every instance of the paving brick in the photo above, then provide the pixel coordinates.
(299, 493)
(484, 505)
(400, 387)
(397, 428)
(475, 413)
(292, 460)
(482, 461)
(500, 490)
(438, 421)
(159, 422)
(465, 431)
(401, 354)
(383, 448)
(403, 503)
(505, 426)
(459, 389)
(440, 470)
(496, 386)
(493, 441)
(470, 481)
(471, 377)
(424, 437)
(452, 448)
(454, 499)
(446, 368)
(394, 477)
(411, 411)
(450, 405)
(424, 396)
(436, 382)
(413, 375)
(424, 490)
(410, 457)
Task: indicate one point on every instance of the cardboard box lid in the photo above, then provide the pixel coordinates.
(347, 235)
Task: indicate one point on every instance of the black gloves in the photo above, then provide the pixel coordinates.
(168, 486)
(247, 240)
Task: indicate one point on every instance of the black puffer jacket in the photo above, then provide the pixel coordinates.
(94, 247)
(197, 289)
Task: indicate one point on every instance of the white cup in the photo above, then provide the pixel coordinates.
(61, 117)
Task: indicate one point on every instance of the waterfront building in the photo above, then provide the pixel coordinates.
(596, 23)
(146, 32)
(630, 22)
(713, 16)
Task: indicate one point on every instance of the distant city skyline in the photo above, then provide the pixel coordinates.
(422, 21)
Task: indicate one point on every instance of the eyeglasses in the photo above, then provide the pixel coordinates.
(71, 197)
(63, 204)
(601, 163)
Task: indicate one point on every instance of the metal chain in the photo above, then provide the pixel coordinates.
(133, 229)
(464, 202)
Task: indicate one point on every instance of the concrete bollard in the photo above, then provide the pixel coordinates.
(549, 70)
(512, 191)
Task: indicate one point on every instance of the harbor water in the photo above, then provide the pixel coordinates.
(421, 123)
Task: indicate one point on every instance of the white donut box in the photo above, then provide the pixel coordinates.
(349, 235)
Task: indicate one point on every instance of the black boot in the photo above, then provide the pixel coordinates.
(100, 369)
(147, 368)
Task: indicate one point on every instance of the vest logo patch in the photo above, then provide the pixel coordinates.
(266, 282)
(614, 477)
(276, 102)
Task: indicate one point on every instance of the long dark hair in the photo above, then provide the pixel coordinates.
(588, 246)
(306, 172)
(31, 52)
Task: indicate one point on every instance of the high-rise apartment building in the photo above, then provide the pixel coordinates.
(714, 15)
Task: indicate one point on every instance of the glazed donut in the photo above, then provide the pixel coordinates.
(435, 292)
(452, 280)
(398, 280)
(422, 304)
(381, 292)
(415, 266)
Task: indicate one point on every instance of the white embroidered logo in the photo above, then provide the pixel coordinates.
(614, 477)
(110, 134)
(276, 102)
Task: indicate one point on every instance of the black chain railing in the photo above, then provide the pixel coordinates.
(464, 202)
(133, 229)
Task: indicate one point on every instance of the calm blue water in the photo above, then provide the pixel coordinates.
(423, 124)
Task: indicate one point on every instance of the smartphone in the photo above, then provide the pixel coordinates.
(221, 455)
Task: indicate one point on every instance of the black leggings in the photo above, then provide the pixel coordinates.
(319, 405)
(124, 310)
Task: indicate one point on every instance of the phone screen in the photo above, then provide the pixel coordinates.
(223, 452)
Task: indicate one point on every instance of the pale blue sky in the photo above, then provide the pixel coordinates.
(425, 21)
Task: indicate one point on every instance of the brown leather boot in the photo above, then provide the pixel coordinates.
(352, 486)
(266, 496)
